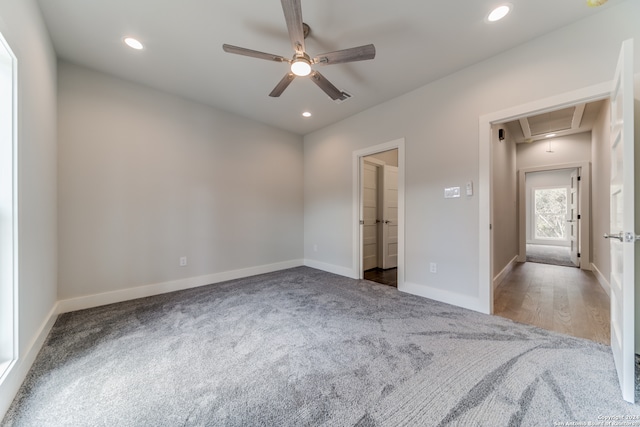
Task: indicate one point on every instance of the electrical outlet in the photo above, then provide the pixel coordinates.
(433, 268)
(183, 261)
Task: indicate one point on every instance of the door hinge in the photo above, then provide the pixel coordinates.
(578, 254)
(362, 222)
(578, 216)
(579, 178)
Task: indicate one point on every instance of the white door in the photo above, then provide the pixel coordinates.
(622, 230)
(370, 216)
(573, 218)
(390, 217)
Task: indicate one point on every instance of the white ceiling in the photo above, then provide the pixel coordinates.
(417, 42)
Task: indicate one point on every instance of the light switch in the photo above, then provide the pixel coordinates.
(470, 188)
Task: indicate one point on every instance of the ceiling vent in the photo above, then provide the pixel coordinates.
(554, 121)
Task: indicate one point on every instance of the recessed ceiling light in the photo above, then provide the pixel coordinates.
(133, 43)
(498, 13)
(550, 135)
(306, 114)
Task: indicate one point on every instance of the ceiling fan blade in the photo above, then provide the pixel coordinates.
(282, 85)
(360, 53)
(253, 53)
(324, 84)
(293, 15)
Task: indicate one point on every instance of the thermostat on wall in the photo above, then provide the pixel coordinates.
(451, 192)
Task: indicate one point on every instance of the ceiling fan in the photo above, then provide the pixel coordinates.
(301, 62)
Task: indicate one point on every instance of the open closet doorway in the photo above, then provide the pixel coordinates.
(380, 217)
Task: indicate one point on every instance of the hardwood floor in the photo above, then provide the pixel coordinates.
(561, 299)
(385, 277)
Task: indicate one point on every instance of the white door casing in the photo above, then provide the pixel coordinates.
(369, 215)
(390, 217)
(622, 229)
(573, 218)
(357, 156)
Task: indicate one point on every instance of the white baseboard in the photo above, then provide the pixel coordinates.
(17, 372)
(601, 279)
(330, 268)
(505, 272)
(89, 301)
(464, 301)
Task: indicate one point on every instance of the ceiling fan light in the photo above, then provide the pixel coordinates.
(301, 67)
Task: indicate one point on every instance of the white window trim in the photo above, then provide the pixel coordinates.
(9, 204)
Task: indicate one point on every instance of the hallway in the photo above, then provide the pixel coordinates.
(561, 299)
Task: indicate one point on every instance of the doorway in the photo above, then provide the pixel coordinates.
(380, 215)
(554, 218)
(552, 234)
(488, 272)
(378, 239)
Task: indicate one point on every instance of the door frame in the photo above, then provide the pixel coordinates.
(485, 241)
(584, 200)
(357, 157)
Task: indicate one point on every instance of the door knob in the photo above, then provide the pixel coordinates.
(386, 221)
(618, 236)
(627, 237)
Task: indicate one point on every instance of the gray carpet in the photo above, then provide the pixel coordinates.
(303, 347)
(547, 254)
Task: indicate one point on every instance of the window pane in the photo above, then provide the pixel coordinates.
(550, 213)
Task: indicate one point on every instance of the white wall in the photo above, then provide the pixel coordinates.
(552, 178)
(146, 177)
(564, 149)
(440, 125)
(23, 28)
(390, 157)
(504, 207)
(600, 190)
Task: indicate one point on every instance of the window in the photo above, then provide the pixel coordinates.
(550, 213)
(8, 272)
